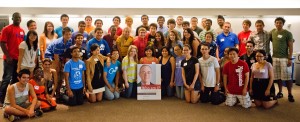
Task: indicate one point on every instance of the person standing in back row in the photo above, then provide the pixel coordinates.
(12, 36)
(282, 41)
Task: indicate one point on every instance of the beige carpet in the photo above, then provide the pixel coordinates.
(170, 110)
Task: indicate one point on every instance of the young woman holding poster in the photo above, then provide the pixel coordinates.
(190, 72)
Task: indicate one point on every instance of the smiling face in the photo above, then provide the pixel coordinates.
(38, 74)
(148, 53)
(145, 74)
(16, 18)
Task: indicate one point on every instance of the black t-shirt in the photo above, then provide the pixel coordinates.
(249, 60)
(189, 69)
(82, 50)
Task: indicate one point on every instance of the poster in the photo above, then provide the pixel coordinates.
(149, 82)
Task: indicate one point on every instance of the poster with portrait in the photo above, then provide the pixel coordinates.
(148, 82)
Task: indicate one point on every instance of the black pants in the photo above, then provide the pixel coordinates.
(9, 77)
(77, 98)
(206, 95)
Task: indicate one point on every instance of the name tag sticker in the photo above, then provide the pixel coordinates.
(83, 51)
(279, 36)
(36, 87)
(80, 66)
(131, 65)
(222, 40)
(262, 70)
(184, 64)
(252, 61)
(84, 38)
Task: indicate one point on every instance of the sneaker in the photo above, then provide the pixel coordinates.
(291, 98)
(279, 95)
(11, 118)
(38, 113)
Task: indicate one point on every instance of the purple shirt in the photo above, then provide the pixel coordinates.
(178, 76)
(261, 73)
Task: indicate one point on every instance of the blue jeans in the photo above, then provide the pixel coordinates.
(9, 77)
(180, 92)
(109, 95)
(167, 90)
(131, 91)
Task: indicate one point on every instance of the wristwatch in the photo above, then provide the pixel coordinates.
(218, 84)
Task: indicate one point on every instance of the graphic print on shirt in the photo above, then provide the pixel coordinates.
(102, 46)
(239, 72)
(113, 70)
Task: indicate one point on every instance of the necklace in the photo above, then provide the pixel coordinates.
(31, 55)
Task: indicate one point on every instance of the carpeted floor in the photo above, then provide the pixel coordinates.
(170, 110)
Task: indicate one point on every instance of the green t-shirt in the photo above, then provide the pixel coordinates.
(280, 41)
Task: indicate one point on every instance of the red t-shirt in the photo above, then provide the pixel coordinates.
(243, 38)
(12, 36)
(141, 44)
(236, 76)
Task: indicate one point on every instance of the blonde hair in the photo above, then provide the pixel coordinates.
(128, 52)
(128, 18)
(142, 29)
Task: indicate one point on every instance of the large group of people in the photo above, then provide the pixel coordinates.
(63, 65)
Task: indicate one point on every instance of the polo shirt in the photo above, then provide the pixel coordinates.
(224, 41)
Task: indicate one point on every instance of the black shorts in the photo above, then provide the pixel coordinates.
(259, 87)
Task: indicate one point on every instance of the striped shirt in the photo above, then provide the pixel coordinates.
(130, 69)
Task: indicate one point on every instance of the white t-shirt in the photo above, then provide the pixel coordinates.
(29, 55)
(208, 70)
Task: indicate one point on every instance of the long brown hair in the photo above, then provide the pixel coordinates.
(45, 28)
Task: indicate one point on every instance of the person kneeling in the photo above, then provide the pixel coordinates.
(110, 73)
(74, 78)
(16, 103)
(236, 78)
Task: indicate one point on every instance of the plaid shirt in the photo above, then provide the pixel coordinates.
(261, 40)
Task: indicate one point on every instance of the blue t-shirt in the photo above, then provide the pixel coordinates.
(75, 70)
(85, 38)
(59, 29)
(224, 41)
(57, 47)
(112, 71)
(104, 48)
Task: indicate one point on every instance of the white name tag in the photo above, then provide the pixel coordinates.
(80, 66)
(83, 51)
(252, 61)
(36, 87)
(262, 70)
(96, 59)
(184, 64)
(131, 65)
(21, 33)
(222, 40)
(84, 38)
(279, 36)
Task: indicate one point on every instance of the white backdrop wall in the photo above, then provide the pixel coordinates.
(292, 22)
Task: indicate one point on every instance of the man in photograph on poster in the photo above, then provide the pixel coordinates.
(145, 74)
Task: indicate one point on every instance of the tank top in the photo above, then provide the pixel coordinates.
(97, 81)
(20, 97)
(166, 72)
(48, 41)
